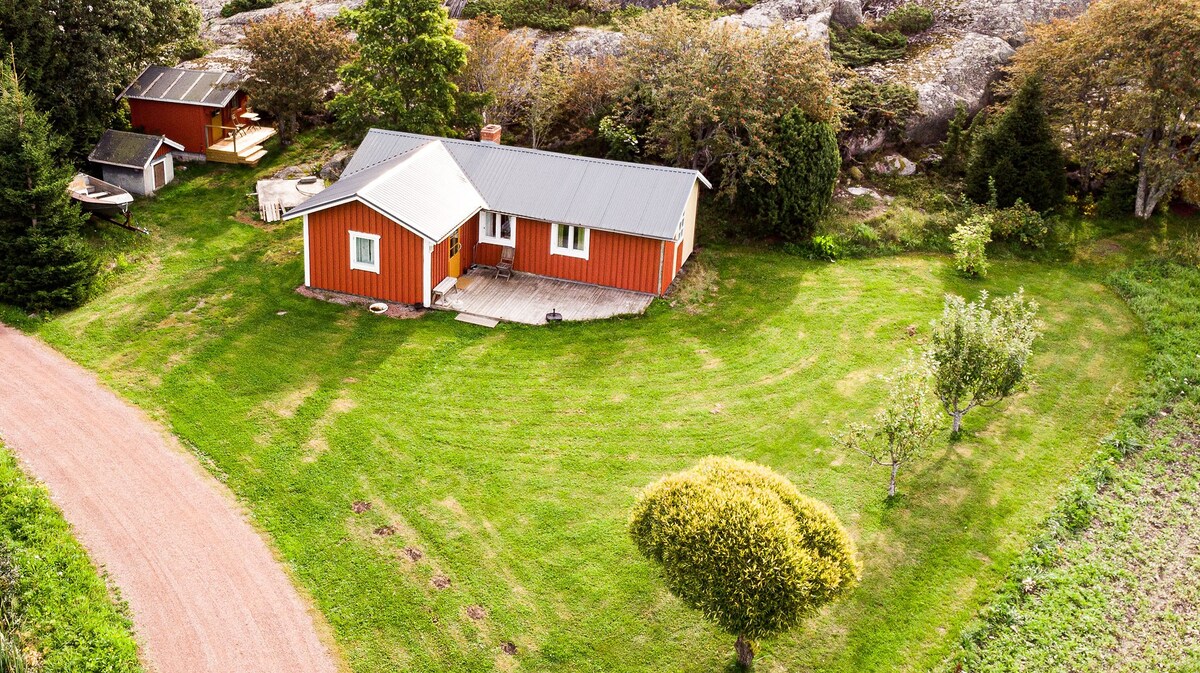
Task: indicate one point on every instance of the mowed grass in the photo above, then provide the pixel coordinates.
(509, 457)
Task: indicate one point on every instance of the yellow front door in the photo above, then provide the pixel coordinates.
(455, 268)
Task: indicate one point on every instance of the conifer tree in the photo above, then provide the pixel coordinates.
(794, 205)
(44, 262)
(1019, 152)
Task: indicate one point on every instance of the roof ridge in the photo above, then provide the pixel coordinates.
(530, 150)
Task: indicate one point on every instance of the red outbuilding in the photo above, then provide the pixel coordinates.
(412, 211)
(203, 110)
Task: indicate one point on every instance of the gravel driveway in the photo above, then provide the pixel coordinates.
(205, 591)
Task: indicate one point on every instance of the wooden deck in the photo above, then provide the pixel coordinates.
(526, 298)
(243, 148)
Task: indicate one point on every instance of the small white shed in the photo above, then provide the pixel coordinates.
(138, 163)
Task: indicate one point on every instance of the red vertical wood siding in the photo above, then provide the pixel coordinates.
(401, 252)
(615, 260)
(441, 263)
(185, 124)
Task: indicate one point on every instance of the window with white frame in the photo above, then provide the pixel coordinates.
(364, 251)
(497, 228)
(569, 240)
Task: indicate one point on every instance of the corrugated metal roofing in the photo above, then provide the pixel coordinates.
(131, 150)
(423, 188)
(180, 85)
(614, 196)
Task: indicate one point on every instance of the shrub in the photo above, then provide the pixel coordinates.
(826, 247)
(908, 19)
(1019, 155)
(740, 544)
(957, 147)
(238, 6)
(860, 45)
(552, 16)
(1021, 223)
(969, 242)
(799, 197)
(870, 109)
(1184, 250)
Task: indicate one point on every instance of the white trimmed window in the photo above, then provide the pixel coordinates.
(497, 228)
(364, 251)
(569, 240)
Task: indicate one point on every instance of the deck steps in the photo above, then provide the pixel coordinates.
(477, 320)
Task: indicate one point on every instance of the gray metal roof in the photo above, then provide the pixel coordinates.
(211, 88)
(617, 196)
(130, 150)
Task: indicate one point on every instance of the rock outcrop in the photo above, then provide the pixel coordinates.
(1009, 19)
(957, 72)
(809, 18)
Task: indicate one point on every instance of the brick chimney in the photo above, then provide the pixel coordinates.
(490, 134)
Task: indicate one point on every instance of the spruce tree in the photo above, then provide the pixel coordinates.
(794, 205)
(1019, 152)
(44, 262)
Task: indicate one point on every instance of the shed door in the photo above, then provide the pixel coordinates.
(160, 174)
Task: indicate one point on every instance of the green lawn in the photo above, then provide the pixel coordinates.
(53, 601)
(509, 457)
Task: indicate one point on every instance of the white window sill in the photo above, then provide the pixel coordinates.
(354, 266)
(568, 252)
(496, 241)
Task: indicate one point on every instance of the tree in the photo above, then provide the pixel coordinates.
(75, 57)
(740, 544)
(44, 262)
(1018, 152)
(1122, 81)
(294, 60)
(500, 64)
(703, 95)
(902, 428)
(978, 354)
(547, 93)
(403, 78)
(808, 162)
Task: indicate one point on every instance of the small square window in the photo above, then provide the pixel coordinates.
(364, 251)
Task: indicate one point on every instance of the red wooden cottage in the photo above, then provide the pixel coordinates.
(411, 211)
(202, 110)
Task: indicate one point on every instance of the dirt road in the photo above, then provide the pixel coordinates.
(204, 589)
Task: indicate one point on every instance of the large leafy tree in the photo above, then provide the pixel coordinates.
(740, 544)
(44, 263)
(793, 203)
(978, 352)
(500, 65)
(1018, 157)
(704, 96)
(403, 78)
(1123, 81)
(294, 60)
(75, 56)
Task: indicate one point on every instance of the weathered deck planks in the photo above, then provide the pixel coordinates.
(526, 298)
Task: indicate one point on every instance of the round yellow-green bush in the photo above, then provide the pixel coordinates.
(743, 546)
